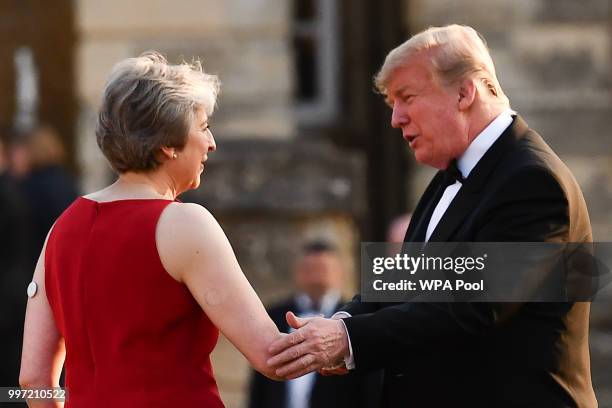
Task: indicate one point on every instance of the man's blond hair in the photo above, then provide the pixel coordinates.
(456, 52)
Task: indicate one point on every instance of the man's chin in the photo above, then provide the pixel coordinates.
(428, 161)
(422, 159)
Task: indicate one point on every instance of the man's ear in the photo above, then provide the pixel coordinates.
(467, 94)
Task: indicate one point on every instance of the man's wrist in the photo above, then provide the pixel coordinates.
(345, 351)
(349, 358)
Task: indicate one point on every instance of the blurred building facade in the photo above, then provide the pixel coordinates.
(304, 145)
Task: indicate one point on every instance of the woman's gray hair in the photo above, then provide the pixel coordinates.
(147, 104)
(456, 51)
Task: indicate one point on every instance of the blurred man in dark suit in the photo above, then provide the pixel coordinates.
(38, 165)
(15, 272)
(318, 276)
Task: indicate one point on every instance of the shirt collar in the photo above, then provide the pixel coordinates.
(326, 307)
(485, 139)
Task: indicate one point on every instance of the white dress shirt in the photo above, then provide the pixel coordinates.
(465, 163)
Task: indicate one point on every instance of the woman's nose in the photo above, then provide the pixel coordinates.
(213, 145)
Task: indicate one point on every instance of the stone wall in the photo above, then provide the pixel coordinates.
(244, 42)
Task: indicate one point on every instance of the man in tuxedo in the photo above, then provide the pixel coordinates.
(318, 275)
(498, 181)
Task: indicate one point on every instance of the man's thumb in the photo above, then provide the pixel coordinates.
(294, 321)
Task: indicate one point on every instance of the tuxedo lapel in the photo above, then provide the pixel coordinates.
(468, 196)
(418, 224)
(455, 215)
(420, 231)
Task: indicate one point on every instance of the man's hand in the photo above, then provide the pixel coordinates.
(316, 343)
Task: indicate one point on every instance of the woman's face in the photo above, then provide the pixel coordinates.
(191, 159)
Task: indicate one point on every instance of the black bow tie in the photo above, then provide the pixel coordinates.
(452, 174)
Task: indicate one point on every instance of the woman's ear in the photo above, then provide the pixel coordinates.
(168, 152)
(467, 94)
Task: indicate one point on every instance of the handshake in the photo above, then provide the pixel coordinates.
(316, 344)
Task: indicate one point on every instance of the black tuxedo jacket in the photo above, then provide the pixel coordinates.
(354, 390)
(470, 354)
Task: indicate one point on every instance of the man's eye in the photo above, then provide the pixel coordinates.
(408, 98)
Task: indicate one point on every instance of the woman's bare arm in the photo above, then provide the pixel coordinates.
(43, 350)
(194, 250)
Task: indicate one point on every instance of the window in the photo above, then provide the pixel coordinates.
(315, 46)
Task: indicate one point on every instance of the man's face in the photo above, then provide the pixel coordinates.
(427, 113)
(317, 273)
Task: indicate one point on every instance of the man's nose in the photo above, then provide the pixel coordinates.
(398, 117)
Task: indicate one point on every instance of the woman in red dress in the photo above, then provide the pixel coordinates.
(132, 286)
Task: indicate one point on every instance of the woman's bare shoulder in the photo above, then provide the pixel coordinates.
(185, 217)
(185, 231)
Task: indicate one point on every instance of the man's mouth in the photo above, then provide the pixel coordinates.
(410, 139)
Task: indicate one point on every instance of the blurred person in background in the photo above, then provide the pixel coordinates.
(318, 275)
(38, 161)
(133, 286)
(396, 231)
(14, 267)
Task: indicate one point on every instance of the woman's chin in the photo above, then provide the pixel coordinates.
(195, 184)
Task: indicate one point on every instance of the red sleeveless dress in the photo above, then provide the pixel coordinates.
(134, 336)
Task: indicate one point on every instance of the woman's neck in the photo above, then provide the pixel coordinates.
(139, 185)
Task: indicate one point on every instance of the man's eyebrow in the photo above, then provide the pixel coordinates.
(404, 88)
(399, 91)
